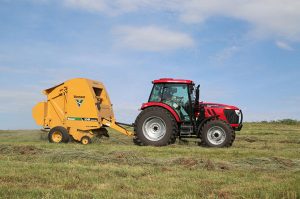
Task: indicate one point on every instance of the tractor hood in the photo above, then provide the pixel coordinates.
(217, 105)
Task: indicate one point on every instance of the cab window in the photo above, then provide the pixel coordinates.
(156, 93)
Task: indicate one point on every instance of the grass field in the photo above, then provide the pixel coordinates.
(264, 162)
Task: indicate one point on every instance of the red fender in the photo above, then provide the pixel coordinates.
(169, 108)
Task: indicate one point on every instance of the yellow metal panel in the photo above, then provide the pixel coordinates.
(81, 105)
(77, 134)
(38, 113)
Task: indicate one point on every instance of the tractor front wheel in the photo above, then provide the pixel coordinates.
(58, 134)
(216, 133)
(155, 126)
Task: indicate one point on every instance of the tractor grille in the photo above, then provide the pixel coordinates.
(231, 116)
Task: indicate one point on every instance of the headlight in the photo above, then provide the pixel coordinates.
(238, 112)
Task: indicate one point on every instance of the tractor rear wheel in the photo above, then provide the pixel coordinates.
(58, 134)
(216, 133)
(155, 126)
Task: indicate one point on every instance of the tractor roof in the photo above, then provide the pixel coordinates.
(171, 80)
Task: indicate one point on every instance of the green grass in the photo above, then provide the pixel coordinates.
(264, 162)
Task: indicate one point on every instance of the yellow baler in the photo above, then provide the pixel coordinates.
(79, 108)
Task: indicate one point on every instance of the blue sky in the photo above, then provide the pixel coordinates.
(243, 53)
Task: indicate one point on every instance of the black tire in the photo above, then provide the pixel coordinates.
(58, 130)
(168, 121)
(85, 140)
(232, 138)
(136, 141)
(213, 130)
(101, 132)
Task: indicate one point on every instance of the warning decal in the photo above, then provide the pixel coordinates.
(82, 119)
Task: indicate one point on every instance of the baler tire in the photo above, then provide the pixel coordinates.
(59, 129)
(223, 126)
(85, 140)
(168, 120)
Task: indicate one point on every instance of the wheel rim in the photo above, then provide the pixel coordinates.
(84, 141)
(57, 137)
(154, 128)
(216, 135)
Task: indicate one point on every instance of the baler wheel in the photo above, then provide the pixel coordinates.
(58, 134)
(57, 137)
(85, 140)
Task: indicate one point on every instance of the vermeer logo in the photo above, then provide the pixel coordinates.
(79, 100)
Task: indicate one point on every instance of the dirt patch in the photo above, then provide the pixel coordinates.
(125, 156)
(223, 166)
(23, 150)
(121, 154)
(209, 165)
(186, 162)
(27, 150)
(224, 195)
(166, 169)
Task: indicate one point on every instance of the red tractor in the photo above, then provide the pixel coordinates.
(174, 111)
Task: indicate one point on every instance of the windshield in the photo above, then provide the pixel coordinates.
(174, 95)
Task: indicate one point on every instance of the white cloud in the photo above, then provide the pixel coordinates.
(283, 45)
(225, 54)
(275, 18)
(151, 38)
(91, 5)
(269, 18)
(115, 7)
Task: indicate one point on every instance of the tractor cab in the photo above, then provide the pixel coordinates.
(180, 95)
